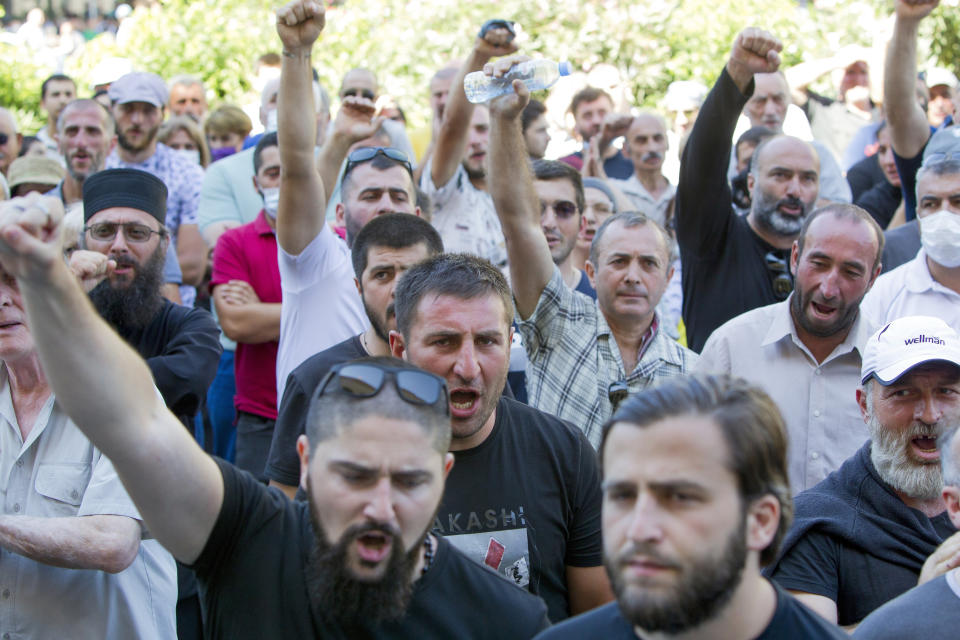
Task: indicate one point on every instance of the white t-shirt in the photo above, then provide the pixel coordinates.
(321, 305)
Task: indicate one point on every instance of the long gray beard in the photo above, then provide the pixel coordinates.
(888, 452)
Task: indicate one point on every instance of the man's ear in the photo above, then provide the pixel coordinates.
(303, 452)
(763, 519)
(794, 258)
(396, 345)
(447, 464)
(341, 216)
(591, 272)
(862, 402)
(750, 184)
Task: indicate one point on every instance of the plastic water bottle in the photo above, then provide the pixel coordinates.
(535, 74)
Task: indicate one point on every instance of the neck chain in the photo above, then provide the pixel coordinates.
(428, 554)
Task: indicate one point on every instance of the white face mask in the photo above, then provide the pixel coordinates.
(193, 155)
(271, 200)
(271, 121)
(940, 237)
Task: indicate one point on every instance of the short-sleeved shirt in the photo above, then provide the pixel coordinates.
(249, 253)
(931, 610)
(253, 584)
(818, 400)
(910, 290)
(537, 509)
(283, 463)
(57, 473)
(464, 217)
(791, 621)
(321, 305)
(574, 357)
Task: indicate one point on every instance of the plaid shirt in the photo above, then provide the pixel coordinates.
(574, 358)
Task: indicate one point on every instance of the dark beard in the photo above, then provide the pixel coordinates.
(378, 327)
(135, 305)
(704, 588)
(352, 604)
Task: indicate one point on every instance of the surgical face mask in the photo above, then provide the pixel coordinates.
(940, 237)
(192, 155)
(271, 121)
(271, 200)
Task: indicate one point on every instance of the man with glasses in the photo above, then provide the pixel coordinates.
(930, 283)
(382, 251)
(584, 355)
(805, 351)
(356, 559)
(524, 496)
(732, 264)
(124, 211)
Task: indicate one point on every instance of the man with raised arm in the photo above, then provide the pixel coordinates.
(321, 306)
(455, 177)
(585, 355)
(355, 560)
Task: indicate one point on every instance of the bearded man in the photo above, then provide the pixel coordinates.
(862, 536)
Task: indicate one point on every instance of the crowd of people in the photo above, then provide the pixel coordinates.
(698, 379)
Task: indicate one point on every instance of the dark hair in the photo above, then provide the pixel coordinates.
(556, 170)
(843, 211)
(754, 136)
(26, 143)
(266, 141)
(335, 410)
(587, 94)
(531, 112)
(424, 203)
(57, 77)
(379, 162)
(748, 419)
(394, 231)
(629, 220)
(459, 275)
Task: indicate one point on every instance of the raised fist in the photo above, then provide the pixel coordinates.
(510, 105)
(299, 24)
(30, 237)
(754, 51)
(914, 9)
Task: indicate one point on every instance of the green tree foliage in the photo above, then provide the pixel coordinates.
(653, 42)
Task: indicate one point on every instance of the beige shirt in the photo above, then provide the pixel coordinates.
(818, 401)
(56, 472)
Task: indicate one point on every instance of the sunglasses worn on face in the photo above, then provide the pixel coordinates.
(364, 93)
(4, 138)
(563, 209)
(366, 154)
(132, 231)
(780, 275)
(366, 379)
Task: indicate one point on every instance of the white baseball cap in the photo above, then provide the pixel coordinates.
(905, 343)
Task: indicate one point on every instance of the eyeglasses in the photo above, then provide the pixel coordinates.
(780, 275)
(366, 154)
(366, 379)
(563, 209)
(365, 93)
(132, 231)
(4, 138)
(617, 392)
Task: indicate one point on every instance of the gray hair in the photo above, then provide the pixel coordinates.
(630, 220)
(946, 166)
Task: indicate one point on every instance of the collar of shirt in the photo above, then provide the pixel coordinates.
(647, 342)
(782, 326)
(918, 279)
(9, 414)
(261, 226)
(633, 184)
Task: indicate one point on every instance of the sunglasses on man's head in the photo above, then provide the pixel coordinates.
(366, 154)
(363, 93)
(366, 379)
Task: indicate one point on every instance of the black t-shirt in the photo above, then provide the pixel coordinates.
(855, 542)
(182, 348)
(526, 502)
(252, 581)
(791, 621)
(283, 465)
(724, 263)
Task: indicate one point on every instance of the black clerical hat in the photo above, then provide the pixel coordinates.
(125, 188)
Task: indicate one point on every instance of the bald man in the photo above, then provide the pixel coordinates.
(10, 140)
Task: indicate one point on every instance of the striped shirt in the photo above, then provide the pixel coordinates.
(574, 358)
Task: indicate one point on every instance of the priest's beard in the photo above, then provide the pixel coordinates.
(339, 595)
(132, 306)
(703, 587)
